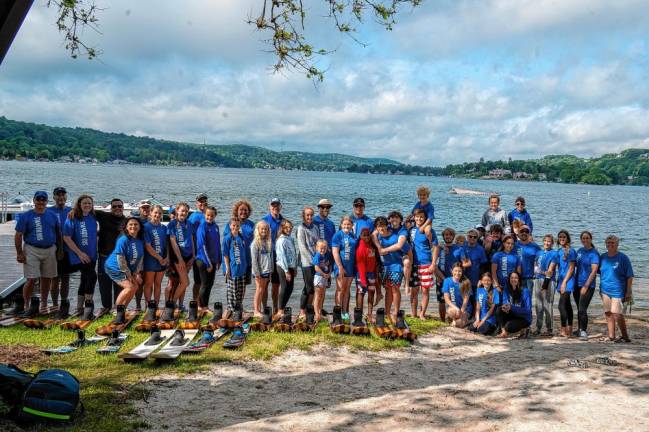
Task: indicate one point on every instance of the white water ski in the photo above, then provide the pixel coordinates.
(143, 350)
(172, 350)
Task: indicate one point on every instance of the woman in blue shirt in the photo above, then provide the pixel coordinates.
(343, 248)
(392, 266)
(485, 306)
(80, 237)
(567, 257)
(457, 292)
(181, 249)
(615, 281)
(503, 264)
(155, 255)
(515, 315)
(544, 272)
(586, 268)
(125, 262)
(208, 255)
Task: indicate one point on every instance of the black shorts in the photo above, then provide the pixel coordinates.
(63, 266)
(440, 294)
(171, 270)
(274, 277)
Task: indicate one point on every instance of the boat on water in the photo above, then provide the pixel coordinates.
(459, 191)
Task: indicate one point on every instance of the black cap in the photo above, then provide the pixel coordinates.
(59, 190)
(359, 201)
(201, 197)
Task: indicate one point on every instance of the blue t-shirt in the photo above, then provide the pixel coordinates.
(613, 274)
(132, 249)
(482, 302)
(564, 266)
(402, 232)
(326, 229)
(156, 237)
(452, 288)
(422, 247)
(447, 260)
(523, 307)
(195, 219)
(208, 243)
(247, 233)
(392, 261)
(428, 208)
(523, 216)
(61, 213)
(347, 250)
(478, 256)
(360, 223)
(234, 247)
(84, 234)
(585, 259)
(274, 226)
(321, 261)
(507, 263)
(39, 230)
(183, 233)
(527, 254)
(542, 263)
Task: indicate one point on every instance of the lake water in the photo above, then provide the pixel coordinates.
(619, 210)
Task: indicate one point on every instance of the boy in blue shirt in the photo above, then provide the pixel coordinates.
(234, 266)
(61, 283)
(423, 193)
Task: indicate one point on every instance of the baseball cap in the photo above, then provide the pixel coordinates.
(479, 227)
(201, 196)
(59, 190)
(144, 203)
(359, 201)
(524, 227)
(325, 203)
(275, 201)
(40, 194)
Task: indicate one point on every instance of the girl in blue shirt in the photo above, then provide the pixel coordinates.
(208, 255)
(485, 306)
(457, 292)
(503, 264)
(234, 266)
(155, 255)
(125, 262)
(544, 271)
(343, 248)
(567, 258)
(515, 315)
(586, 269)
(392, 266)
(80, 236)
(181, 249)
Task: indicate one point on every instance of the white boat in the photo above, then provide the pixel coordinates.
(459, 191)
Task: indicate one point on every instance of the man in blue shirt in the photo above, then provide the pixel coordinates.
(40, 232)
(615, 282)
(359, 219)
(326, 228)
(195, 220)
(61, 283)
(526, 250)
(274, 219)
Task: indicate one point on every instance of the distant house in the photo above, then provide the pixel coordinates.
(645, 155)
(500, 172)
(521, 175)
(542, 177)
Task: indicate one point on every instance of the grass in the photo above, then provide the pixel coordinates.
(110, 386)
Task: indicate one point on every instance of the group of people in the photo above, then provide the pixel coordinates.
(486, 280)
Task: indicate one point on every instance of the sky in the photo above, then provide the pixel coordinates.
(455, 81)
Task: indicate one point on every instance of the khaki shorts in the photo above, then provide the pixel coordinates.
(40, 262)
(613, 305)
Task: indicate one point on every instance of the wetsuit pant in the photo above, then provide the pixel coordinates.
(308, 290)
(108, 289)
(285, 286)
(565, 309)
(583, 301)
(207, 282)
(509, 321)
(88, 278)
(543, 300)
(485, 329)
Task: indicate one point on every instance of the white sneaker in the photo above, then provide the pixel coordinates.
(583, 335)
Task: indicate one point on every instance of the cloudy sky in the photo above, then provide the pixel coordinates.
(455, 81)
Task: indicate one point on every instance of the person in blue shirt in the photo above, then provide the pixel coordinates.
(503, 264)
(515, 314)
(449, 255)
(526, 250)
(208, 255)
(80, 236)
(287, 261)
(343, 248)
(40, 231)
(60, 285)
(274, 219)
(326, 228)
(181, 244)
(473, 258)
(544, 280)
(457, 296)
(586, 268)
(520, 213)
(234, 266)
(322, 268)
(493, 242)
(426, 254)
(486, 301)
(359, 219)
(423, 193)
(126, 261)
(194, 220)
(395, 225)
(615, 282)
(242, 210)
(392, 266)
(155, 255)
(567, 259)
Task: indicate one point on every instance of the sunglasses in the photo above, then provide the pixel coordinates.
(524, 232)
(359, 205)
(472, 236)
(40, 199)
(519, 203)
(117, 206)
(324, 207)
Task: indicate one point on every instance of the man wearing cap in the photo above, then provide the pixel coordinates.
(359, 219)
(195, 219)
(520, 213)
(110, 228)
(526, 250)
(144, 211)
(474, 258)
(326, 228)
(274, 219)
(61, 283)
(482, 232)
(40, 231)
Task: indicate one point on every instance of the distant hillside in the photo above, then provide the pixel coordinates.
(35, 141)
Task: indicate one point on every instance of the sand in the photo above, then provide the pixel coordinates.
(451, 380)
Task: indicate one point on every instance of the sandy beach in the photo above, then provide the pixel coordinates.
(450, 380)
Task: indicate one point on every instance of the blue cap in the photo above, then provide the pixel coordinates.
(275, 201)
(40, 194)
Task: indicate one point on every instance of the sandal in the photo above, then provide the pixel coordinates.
(606, 339)
(621, 339)
(606, 361)
(578, 364)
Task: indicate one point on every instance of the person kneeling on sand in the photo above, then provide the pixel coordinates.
(515, 315)
(457, 292)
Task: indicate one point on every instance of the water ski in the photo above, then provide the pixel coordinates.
(266, 322)
(169, 317)
(193, 320)
(337, 324)
(359, 326)
(31, 313)
(402, 328)
(380, 328)
(238, 337)
(180, 340)
(235, 320)
(122, 320)
(285, 324)
(87, 317)
(80, 342)
(150, 317)
(213, 323)
(308, 324)
(141, 352)
(207, 340)
(114, 343)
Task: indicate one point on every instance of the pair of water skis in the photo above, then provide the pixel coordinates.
(388, 329)
(169, 317)
(113, 343)
(19, 315)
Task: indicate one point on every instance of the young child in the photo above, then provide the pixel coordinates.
(423, 193)
(343, 248)
(322, 267)
(426, 253)
(234, 267)
(286, 263)
(263, 261)
(395, 220)
(485, 307)
(208, 255)
(460, 240)
(366, 266)
(391, 255)
(456, 291)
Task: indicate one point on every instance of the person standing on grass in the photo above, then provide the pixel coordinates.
(426, 253)
(60, 285)
(40, 231)
(473, 258)
(544, 285)
(144, 211)
(111, 225)
(322, 266)
(194, 220)
(615, 284)
(326, 228)
(80, 236)
(242, 210)
(567, 258)
(263, 263)
(181, 243)
(208, 256)
(125, 262)
(234, 267)
(156, 255)
(495, 215)
(343, 247)
(286, 263)
(392, 266)
(366, 258)
(586, 268)
(274, 219)
(520, 213)
(307, 237)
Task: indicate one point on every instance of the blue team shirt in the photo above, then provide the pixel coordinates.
(39, 230)
(360, 223)
(208, 243)
(523, 307)
(452, 288)
(183, 233)
(247, 233)
(523, 216)
(61, 214)
(347, 245)
(428, 208)
(613, 274)
(564, 266)
(402, 232)
(506, 263)
(326, 228)
(391, 261)
(447, 260)
(234, 247)
(156, 237)
(84, 234)
(132, 249)
(527, 254)
(321, 261)
(195, 219)
(274, 226)
(422, 247)
(585, 259)
(482, 302)
(478, 256)
(542, 263)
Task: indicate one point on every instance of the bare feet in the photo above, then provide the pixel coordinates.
(379, 297)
